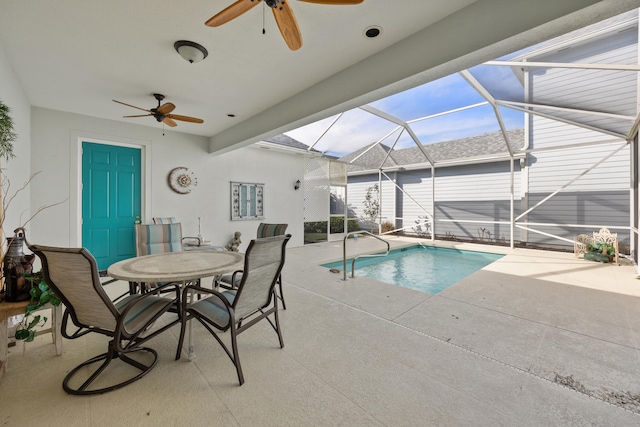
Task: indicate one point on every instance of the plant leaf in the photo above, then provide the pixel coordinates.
(21, 334)
(34, 322)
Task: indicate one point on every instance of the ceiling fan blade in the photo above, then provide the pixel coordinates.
(184, 118)
(132, 106)
(334, 2)
(167, 121)
(288, 25)
(231, 12)
(140, 115)
(166, 108)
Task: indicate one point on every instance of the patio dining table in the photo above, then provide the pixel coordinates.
(179, 267)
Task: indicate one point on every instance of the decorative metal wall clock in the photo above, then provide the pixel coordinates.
(181, 180)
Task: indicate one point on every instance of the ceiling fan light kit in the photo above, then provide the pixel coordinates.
(162, 113)
(191, 52)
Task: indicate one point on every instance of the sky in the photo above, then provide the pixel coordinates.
(357, 128)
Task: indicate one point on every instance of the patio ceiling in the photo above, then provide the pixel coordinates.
(77, 56)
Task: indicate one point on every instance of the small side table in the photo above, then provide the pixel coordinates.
(9, 309)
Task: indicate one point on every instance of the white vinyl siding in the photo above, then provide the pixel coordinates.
(418, 185)
(596, 90)
(475, 193)
(601, 196)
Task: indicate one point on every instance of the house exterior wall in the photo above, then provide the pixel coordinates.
(55, 141)
(417, 184)
(599, 197)
(472, 192)
(602, 195)
(479, 192)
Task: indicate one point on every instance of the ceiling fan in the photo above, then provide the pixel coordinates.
(282, 12)
(162, 113)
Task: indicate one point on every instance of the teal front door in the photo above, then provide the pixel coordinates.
(110, 201)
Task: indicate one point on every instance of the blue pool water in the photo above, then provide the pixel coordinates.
(424, 268)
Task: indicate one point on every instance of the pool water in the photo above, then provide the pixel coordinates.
(424, 268)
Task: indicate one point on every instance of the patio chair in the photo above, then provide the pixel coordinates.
(72, 273)
(189, 243)
(231, 281)
(239, 309)
(167, 220)
(157, 239)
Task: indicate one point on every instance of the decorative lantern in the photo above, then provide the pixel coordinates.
(16, 265)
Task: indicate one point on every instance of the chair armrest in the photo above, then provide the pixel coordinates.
(193, 238)
(132, 335)
(202, 290)
(231, 285)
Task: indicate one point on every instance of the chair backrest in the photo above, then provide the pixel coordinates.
(270, 230)
(263, 263)
(158, 238)
(72, 273)
(168, 220)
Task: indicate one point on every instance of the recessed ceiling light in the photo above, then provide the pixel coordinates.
(372, 32)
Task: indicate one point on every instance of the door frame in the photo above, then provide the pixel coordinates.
(75, 176)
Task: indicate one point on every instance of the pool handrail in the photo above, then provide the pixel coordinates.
(353, 262)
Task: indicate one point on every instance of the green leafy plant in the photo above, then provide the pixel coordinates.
(7, 135)
(41, 295)
(603, 248)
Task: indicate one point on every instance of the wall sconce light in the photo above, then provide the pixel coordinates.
(190, 51)
(297, 185)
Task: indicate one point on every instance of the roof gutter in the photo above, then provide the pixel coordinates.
(443, 164)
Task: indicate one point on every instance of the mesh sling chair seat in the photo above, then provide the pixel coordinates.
(239, 309)
(72, 273)
(231, 281)
(189, 243)
(154, 239)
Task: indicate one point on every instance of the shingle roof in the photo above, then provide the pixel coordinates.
(459, 149)
(287, 141)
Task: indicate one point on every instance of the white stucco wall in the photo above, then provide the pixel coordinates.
(18, 169)
(56, 138)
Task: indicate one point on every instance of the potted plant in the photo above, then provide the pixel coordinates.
(600, 251)
(41, 295)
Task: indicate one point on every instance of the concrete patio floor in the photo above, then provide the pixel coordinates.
(535, 339)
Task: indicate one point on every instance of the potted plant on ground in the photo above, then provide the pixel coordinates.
(600, 251)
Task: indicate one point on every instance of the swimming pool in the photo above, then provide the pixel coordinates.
(424, 268)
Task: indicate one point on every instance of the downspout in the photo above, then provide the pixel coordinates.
(433, 202)
(380, 201)
(511, 206)
(524, 169)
